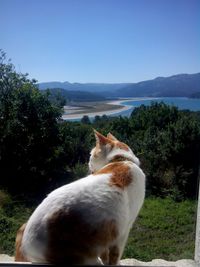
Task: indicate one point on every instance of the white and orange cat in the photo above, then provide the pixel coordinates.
(88, 221)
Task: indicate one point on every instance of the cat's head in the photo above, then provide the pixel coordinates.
(108, 149)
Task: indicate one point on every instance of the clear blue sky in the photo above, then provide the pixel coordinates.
(101, 40)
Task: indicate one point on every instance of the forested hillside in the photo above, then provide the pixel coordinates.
(180, 85)
(63, 96)
(173, 86)
(39, 151)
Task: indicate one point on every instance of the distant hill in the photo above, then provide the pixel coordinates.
(89, 87)
(174, 86)
(77, 96)
(195, 95)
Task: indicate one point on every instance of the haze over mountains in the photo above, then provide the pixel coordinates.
(89, 87)
(181, 85)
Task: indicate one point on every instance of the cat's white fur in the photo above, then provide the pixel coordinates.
(96, 197)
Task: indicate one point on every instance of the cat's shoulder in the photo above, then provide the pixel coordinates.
(120, 173)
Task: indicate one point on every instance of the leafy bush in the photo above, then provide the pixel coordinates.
(29, 136)
(4, 198)
(12, 215)
(167, 141)
(80, 170)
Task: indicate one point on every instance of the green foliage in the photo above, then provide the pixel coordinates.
(76, 142)
(28, 132)
(80, 170)
(61, 95)
(85, 119)
(164, 229)
(167, 141)
(4, 198)
(12, 215)
(56, 97)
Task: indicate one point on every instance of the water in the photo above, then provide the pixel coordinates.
(180, 102)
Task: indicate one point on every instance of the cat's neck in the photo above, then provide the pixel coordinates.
(118, 158)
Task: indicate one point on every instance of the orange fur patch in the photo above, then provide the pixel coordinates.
(18, 254)
(72, 239)
(121, 176)
(122, 146)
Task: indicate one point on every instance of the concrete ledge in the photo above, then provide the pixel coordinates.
(130, 262)
(6, 258)
(160, 262)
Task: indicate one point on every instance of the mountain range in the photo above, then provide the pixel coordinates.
(76, 96)
(180, 85)
(89, 87)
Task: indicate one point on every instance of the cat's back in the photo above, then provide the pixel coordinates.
(83, 209)
(105, 190)
(90, 212)
(85, 192)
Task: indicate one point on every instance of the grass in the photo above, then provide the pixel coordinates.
(12, 216)
(164, 229)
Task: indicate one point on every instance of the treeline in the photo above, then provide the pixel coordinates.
(39, 151)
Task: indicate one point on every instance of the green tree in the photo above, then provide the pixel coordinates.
(29, 137)
(56, 97)
(77, 140)
(85, 119)
(169, 143)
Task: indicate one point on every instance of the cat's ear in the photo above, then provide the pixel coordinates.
(111, 137)
(101, 139)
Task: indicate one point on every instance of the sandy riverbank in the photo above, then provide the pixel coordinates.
(93, 109)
